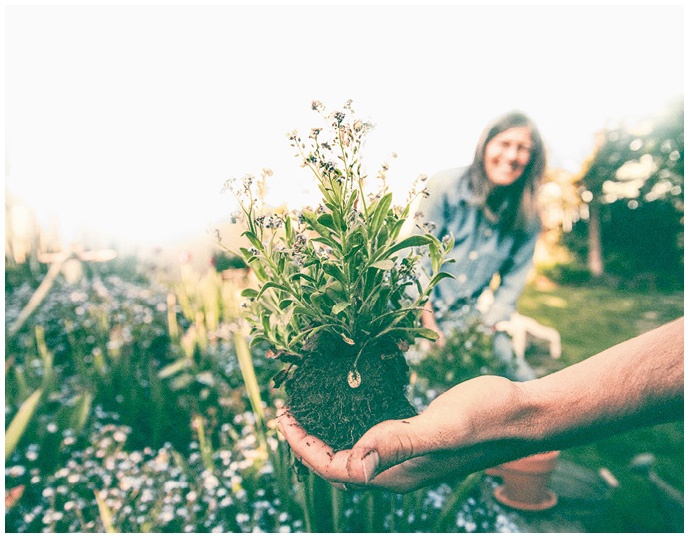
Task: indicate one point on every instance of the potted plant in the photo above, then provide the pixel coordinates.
(525, 482)
(339, 287)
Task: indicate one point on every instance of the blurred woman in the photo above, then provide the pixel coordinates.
(491, 210)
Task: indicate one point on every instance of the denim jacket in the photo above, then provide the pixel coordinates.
(481, 249)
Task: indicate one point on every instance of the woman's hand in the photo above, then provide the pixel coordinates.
(429, 322)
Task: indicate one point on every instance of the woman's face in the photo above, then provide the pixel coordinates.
(507, 155)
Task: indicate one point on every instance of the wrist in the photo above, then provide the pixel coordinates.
(499, 410)
(517, 425)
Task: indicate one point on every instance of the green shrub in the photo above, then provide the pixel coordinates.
(574, 273)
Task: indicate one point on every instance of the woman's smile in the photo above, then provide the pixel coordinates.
(507, 155)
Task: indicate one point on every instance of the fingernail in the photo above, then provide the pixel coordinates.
(369, 464)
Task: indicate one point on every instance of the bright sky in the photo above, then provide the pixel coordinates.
(128, 120)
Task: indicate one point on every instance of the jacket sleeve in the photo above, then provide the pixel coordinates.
(513, 277)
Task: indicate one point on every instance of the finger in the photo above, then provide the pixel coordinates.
(385, 445)
(417, 472)
(317, 455)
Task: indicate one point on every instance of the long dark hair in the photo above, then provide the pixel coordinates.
(514, 206)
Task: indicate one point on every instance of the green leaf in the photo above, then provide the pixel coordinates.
(383, 237)
(397, 228)
(258, 339)
(269, 285)
(438, 277)
(297, 276)
(246, 367)
(425, 333)
(351, 201)
(249, 292)
(339, 307)
(301, 310)
(337, 220)
(82, 411)
(105, 514)
(289, 231)
(370, 282)
(334, 271)
(20, 422)
(172, 369)
(380, 212)
(258, 269)
(265, 322)
(326, 219)
(385, 265)
(328, 241)
(253, 240)
(450, 243)
(246, 253)
(411, 241)
(435, 255)
(350, 257)
(312, 220)
(416, 332)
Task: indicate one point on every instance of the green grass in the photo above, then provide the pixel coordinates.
(591, 319)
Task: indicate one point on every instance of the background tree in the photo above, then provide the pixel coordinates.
(635, 167)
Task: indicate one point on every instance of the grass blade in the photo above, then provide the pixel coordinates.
(20, 422)
(454, 501)
(105, 514)
(246, 367)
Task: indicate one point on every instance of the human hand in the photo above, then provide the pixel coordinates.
(428, 321)
(452, 437)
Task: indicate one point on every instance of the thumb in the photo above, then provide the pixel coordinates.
(385, 445)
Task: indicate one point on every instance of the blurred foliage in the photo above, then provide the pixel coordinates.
(133, 414)
(642, 247)
(222, 261)
(568, 273)
(159, 435)
(110, 344)
(467, 353)
(633, 185)
(651, 152)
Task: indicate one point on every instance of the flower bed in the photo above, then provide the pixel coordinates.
(145, 424)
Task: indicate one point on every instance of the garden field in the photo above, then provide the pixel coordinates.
(133, 404)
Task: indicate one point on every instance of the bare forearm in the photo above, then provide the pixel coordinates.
(637, 383)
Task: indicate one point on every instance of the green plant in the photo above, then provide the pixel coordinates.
(130, 347)
(467, 353)
(338, 281)
(223, 261)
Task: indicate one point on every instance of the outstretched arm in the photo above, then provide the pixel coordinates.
(490, 420)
